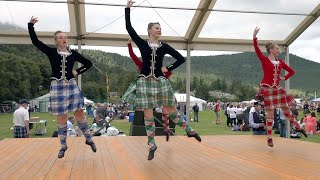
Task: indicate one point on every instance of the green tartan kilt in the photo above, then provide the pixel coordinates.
(130, 95)
(151, 93)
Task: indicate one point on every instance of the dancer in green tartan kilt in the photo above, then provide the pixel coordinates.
(152, 88)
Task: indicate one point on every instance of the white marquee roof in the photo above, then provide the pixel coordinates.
(206, 24)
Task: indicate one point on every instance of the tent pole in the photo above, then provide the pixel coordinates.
(79, 65)
(188, 77)
(287, 87)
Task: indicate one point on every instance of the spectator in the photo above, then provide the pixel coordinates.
(294, 111)
(71, 129)
(306, 109)
(239, 115)
(94, 114)
(232, 114)
(282, 121)
(35, 108)
(226, 109)
(217, 108)
(257, 121)
(246, 114)
(195, 109)
(101, 114)
(311, 124)
(21, 120)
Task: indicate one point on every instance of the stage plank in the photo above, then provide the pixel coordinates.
(122, 158)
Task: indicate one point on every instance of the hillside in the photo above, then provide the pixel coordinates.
(25, 72)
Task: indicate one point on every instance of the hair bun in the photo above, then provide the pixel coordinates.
(268, 44)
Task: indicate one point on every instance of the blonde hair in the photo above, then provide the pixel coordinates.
(269, 46)
(56, 33)
(150, 25)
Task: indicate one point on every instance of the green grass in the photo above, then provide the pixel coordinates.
(204, 127)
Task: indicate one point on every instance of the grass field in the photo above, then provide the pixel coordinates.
(204, 127)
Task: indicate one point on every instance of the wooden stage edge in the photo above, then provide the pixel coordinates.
(125, 157)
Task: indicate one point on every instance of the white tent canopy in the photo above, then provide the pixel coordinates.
(193, 100)
(87, 101)
(315, 100)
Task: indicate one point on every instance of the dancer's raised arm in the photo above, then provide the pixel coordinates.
(133, 34)
(34, 38)
(255, 44)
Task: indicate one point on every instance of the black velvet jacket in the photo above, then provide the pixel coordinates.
(152, 58)
(60, 69)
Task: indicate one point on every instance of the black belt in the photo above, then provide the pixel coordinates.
(19, 126)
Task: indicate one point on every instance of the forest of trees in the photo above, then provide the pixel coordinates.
(25, 73)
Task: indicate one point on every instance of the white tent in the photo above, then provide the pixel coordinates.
(298, 100)
(87, 101)
(253, 101)
(41, 102)
(315, 100)
(193, 100)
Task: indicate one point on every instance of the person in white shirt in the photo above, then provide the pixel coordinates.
(71, 129)
(240, 115)
(21, 120)
(232, 114)
(253, 107)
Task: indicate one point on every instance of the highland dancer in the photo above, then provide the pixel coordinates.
(271, 93)
(130, 95)
(153, 89)
(65, 95)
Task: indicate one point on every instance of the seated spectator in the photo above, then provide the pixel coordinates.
(101, 114)
(311, 124)
(257, 121)
(282, 121)
(70, 127)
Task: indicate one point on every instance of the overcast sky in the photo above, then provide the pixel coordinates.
(219, 24)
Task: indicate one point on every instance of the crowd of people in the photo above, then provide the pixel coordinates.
(252, 116)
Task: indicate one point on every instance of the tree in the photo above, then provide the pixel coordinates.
(91, 90)
(202, 90)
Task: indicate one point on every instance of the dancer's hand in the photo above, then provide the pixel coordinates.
(255, 32)
(130, 3)
(282, 78)
(262, 125)
(129, 41)
(33, 20)
(75, 73)
(164, 69)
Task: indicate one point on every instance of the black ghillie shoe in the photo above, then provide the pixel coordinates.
(167, 135)
(92, 145)
(62, 151)
(195, 135)
(151, 153)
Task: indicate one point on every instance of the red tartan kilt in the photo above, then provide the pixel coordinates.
(275, 97)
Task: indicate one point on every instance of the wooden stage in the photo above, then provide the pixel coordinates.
(216, 157)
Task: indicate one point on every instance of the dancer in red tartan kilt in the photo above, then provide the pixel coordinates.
(272, 94)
